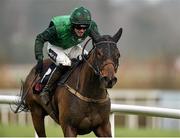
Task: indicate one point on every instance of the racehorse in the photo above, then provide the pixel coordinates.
(82, 103)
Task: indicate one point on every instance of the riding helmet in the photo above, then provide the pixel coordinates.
(80, 16)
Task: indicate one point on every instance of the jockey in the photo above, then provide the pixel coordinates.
(63, 35)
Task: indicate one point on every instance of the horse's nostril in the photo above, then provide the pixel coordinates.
(108, 82)
(106, 78)
(114, 80)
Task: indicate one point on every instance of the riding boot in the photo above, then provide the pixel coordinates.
(44, 95)
(38, 87)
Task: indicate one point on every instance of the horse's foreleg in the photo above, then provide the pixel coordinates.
(38, 122)
(103, 130)
(69, 131)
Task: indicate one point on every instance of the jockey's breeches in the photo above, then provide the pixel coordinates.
(63, 56)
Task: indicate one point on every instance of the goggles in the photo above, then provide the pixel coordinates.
(81, 26)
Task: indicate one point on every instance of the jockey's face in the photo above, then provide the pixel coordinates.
(80, 30)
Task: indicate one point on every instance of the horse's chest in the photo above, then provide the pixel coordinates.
(91, 116)
(90, 120)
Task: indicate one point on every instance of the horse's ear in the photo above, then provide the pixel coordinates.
(95, 36)
(117, 36)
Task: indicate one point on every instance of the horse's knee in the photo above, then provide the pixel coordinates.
(69, 131)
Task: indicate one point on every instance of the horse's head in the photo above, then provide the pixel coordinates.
(105, 58)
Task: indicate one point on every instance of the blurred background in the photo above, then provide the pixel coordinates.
(149, 72)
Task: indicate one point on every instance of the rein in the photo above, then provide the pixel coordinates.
(96, 71)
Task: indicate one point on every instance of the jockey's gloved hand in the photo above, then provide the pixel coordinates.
(39, 66)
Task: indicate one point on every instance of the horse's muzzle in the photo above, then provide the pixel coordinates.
(107, 82)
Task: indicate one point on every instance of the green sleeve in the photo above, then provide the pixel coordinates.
(93, 28)
(49, 35)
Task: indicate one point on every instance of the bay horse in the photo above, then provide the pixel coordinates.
(82, 103)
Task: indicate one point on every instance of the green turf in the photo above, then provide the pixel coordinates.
(55, 130)
(123, 132)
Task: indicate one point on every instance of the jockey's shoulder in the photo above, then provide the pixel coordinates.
(93, 23)
(61, 22)
(64, 19)
(61, 17)
(93, 27)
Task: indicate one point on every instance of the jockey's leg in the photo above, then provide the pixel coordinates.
(76, 51)
(47, 74)
(55, 74)
(44, 79)
(60, 58)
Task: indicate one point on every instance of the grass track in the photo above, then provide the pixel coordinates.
(55, 130)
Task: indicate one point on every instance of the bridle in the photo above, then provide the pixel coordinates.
(96, 71)
(96, 68)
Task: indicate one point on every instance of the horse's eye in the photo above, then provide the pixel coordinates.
(116, 57)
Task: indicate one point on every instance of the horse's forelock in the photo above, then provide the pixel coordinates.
(105, 38)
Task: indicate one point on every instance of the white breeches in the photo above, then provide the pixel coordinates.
(63, 56)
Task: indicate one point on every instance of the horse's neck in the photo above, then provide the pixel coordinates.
(89, 83)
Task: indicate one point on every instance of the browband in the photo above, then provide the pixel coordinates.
(105, 42)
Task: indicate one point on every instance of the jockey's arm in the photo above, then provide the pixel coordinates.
(94, 28)
(48, 35)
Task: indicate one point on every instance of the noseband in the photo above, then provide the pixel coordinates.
(96, 69)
